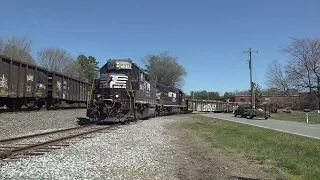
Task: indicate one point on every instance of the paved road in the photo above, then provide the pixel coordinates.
(302, 129)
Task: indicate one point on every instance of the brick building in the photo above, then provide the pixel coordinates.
(276, 101)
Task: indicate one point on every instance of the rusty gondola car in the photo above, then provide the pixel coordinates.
(25, 84)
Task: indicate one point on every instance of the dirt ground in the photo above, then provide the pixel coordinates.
(199, 160)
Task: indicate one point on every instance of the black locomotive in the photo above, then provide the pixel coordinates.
(125, 92)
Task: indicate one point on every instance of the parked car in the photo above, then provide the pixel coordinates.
(259, 113)
(243, 110)
(287, 110)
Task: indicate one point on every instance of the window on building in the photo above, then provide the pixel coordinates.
(242, 100)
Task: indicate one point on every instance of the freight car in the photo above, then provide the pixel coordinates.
(125, 92)
(211, 106)
(26, 84)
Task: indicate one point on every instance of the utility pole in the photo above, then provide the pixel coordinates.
(251, 83)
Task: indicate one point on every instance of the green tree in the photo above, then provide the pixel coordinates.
(165, 69)
(228, 94)
(213, 95)
(89, 67)
(204, 95)
(243, 92)
(258, 94)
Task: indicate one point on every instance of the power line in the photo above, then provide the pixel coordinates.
(251, 83)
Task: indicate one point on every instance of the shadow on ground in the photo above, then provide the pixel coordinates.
(85, 121)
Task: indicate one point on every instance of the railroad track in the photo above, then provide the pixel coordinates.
(38, 144)
(38, 109)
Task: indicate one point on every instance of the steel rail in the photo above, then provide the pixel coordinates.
(28, 148)
(4, 141)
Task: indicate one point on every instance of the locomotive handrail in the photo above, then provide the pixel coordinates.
(129, 96)
(89, 97)
(134, 102)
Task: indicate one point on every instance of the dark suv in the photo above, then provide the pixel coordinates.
(243, 110)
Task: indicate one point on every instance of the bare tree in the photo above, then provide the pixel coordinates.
(276, 78)
(75, 71)
(17, 48)
(165, 69)
(1, 45)
(54, 59)
(303, 68)
(59, 60)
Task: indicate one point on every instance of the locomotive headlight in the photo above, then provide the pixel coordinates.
(99, 95)
(117, 96)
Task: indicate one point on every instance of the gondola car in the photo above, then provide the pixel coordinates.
(24, 84)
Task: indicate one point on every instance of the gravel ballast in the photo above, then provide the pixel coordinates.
(23, 123)
(143, 150)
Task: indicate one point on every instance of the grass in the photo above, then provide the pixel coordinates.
(314, 118)
(296, 155)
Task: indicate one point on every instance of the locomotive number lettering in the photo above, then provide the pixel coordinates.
(125, 66)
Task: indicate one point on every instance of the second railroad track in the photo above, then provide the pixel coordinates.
(38, 144)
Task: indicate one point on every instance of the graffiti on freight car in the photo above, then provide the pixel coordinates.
(30, 77)
(59, 85)
(206, 107)
(29, 88)
(64, 96)
(42, 86)
(3, 82)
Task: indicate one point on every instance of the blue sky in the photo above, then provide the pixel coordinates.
(207, 36)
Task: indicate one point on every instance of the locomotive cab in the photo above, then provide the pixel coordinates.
(112, 95)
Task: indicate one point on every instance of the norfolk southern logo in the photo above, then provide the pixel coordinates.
(3, 82)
